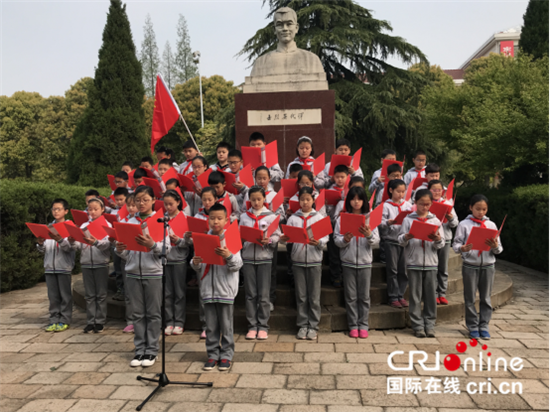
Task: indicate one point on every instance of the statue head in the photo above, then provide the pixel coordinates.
(286, 25)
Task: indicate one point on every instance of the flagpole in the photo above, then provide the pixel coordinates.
(189, 131)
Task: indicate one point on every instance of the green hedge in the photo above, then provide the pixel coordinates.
(525, 233)
(21, 265)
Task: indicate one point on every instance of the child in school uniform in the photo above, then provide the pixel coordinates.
(377, 181)
(355, 181)
(323, 180)
(217, 181)
(120, 194)
(257, 139)
(478, 268)
(393, 173)
(294, 169)
(190, 152)
(219, 286)
(132, 210)
(121, 180)
(304, 151)
(307, 261)
(418, 170)
(421, 261)
(176, 270)
(437, 189)
(257, 261)
(58, 265)
(396, 272)
(235, 166)
(144, 282)
(139, 174)
(356, 257)
(146, 163)
(305, 179)
(193, 199)
(126, 167)
(222, 151)
(432, 172)
(94, 259)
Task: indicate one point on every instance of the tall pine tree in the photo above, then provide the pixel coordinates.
(149, 57)
(534, 33)
(112, 128)
(167, 66)
(185, 68)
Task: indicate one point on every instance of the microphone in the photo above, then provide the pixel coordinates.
(163, 219)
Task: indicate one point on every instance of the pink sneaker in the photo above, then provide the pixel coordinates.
(203, 334)
(128, 329)
(262, 335)
(404, 303)
(363, 334)
(251, 334)
(178, 330)
(353, 333)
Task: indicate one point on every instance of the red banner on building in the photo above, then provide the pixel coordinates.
(507, 48)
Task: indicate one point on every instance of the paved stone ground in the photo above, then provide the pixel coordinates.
(73, 372)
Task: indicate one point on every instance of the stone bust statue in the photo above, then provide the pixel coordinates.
(288, 68)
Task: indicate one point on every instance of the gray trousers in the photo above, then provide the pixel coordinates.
(175, 294)
(146, 296)
(422, 288)
(273, 286)
(443, 269)
(128, 302)
(396, 271)
(357, 295)
(257, 282)
(96, 282)
(290, 266)
(308, 296)
(474, 280)
(119, 264)
(334, 260)
(202, 317)
(60, 297)
(219, 325)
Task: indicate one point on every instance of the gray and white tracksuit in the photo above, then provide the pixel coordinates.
(306, 266)
(412, 174)
(356, 257)
(257, 261)
(322, 180)
(478, 272)
(193, 201)
(94, 261)
(144, 286)
(396, 271)
(218, 290)
(58, 265)
(443, 253)
(421, 261)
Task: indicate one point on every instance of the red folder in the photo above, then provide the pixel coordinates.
(159, 207)
(232, 238)
(450, 189)
(156, 167)
(96, 227)
(289, 186)
(112, 183)
(272, 227)
(123, 212)
(252, 156)
(249, 234)
(271, 154)
(227, 203)
(320, 229)
(350, 222)
(479, 235)
(178, 225)
(205, 246)
(76, 233)
(153, 184)
(79, 217)
(356, 160)
(318, 165)
(375, 217)
(385, 195)
(230, 178)
(388, 162)
(372, 197)
(150, 173)
(186, 183)
(416, 183)
(337, 160)
(154, 228)
(295, 234)
(401, 216)
(294, 205)
(39, 230)
(126, 233)
(170, 174)
(203, 178)
(333, 197)
(245, 176)
(61, 229)
(110, 218)
(440, 210)
(131, 182)
(277, 200)
(110, 232)
(409, 192)
(421, 230)
(320, 200)
(197, 225)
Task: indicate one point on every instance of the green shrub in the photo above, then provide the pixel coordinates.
(525, 233)
(21, 265)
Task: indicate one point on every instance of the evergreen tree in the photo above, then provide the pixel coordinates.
(185, 69)
(534, 33)
(149, 57)
(112, 128)
(167, 67)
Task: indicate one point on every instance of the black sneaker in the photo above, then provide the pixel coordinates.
(211, 364)
(224, 365)
(89, 329)
(99, 329)
(148, 360)
(136, 361)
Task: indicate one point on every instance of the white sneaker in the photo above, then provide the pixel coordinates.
(136, 361)
(177, 330)
(271, 307)
(148, 360)
(311, 334)
(168, 330)
(301, 333)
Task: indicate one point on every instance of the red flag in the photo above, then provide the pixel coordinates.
(166, 112)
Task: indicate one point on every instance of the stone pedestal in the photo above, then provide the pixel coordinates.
(285, 117)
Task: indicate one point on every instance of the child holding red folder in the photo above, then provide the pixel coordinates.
(304, 151)
(257, 139)
(219, 286)
(58, 264)
(323, 180)
(396, 272)
(356, 257)
(94, 259)
(257, 261)
(176, 270)
(421, 261)
(306, 266)
(478, 268)
(144, 282)
(437, 189)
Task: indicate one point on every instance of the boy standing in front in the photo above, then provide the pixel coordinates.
(418, 170)
(218, 290)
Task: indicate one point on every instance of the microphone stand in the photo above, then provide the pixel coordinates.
(162, 379)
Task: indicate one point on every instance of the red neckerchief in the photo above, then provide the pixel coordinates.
(186, 168)
(255, 218)
(397, 205)
(304, 164)
(481, 224)
(305, 219)
(419, 173)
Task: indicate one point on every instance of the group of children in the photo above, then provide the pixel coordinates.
(418, 264)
